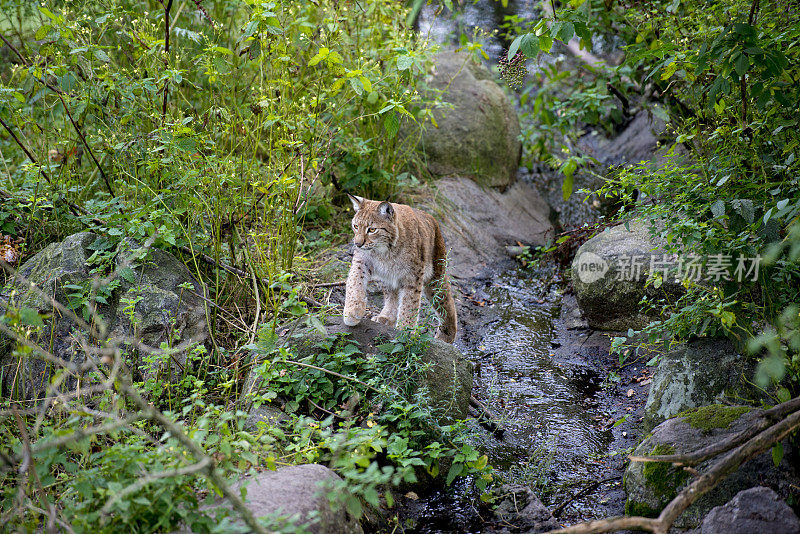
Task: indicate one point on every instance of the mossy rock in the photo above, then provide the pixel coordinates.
(477, 136)
(697, 373)
(652, 485)
(167, 310)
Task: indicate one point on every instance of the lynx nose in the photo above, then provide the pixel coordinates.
(359, 242)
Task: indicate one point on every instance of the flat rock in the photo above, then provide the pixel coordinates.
(303, 495)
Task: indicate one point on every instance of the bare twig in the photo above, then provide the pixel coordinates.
(588, 489)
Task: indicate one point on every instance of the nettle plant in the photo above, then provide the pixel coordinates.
(724, 79)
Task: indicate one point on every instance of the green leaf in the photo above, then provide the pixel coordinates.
(127, 274)
(512, 50)
(777, 453)
(741, 64)
(454, 471)
(101, 55)
(545, 43)
(47, 13)
(718, 209)
(42, 32)
(31, 317)
(529, 46)
(404, 62)
(566, 187)
(392, 124)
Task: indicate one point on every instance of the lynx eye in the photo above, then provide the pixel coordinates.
(355, 226)
(372, 230)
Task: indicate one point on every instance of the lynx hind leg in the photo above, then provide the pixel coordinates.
(408, 308)
(355, 297)
(440, 295)
(388, 314)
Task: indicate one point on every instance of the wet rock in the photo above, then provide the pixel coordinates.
(694, 374)
(478, 137)
(300, 494)
(609, 274)
(651, 485)
(479, 223)
(523, 511)
(154, 300)
(447, 381)
(753, 511)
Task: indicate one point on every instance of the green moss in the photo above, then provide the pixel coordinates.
(640, 509)
(663, 479)
(707, 418)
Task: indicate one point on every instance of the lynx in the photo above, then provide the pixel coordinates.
(403, 249)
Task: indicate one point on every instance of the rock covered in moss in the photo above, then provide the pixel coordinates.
(477, 136)
(696, 373)
(651, 486)
(610, 274)
(152, 298)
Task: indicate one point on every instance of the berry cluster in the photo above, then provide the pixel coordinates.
(513, 70)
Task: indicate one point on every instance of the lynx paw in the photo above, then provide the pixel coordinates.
(350, 319)
(383, 320)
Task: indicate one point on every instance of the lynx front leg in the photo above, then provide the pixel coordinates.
(388, 314)
(355, 297)
(408, 309)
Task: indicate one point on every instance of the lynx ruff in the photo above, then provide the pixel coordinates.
(403, 249)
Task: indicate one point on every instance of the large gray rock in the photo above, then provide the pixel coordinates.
(754, 511)
(651, 485)
(478, 223)
(446, 384)
(310, 496)
(610, 273)
(154, 301)
(478, 137)
(697, 373)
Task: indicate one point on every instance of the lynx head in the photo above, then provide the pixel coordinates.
(373, 224)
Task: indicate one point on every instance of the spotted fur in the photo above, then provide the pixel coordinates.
(403, 249)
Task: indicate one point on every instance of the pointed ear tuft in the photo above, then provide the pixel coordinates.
(386, 210)
(357, 201)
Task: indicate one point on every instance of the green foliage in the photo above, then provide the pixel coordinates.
(724, 75)
(377, 413)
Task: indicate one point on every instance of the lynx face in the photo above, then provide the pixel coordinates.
(373, 225)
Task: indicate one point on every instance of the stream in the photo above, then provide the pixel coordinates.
(569, 413)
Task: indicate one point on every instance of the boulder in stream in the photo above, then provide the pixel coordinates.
(652, 485)
(151, 297)
(610, 275)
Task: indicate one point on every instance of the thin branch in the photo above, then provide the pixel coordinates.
(588, 489)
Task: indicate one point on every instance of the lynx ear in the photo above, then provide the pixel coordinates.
(357, 201)
(386, 210)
